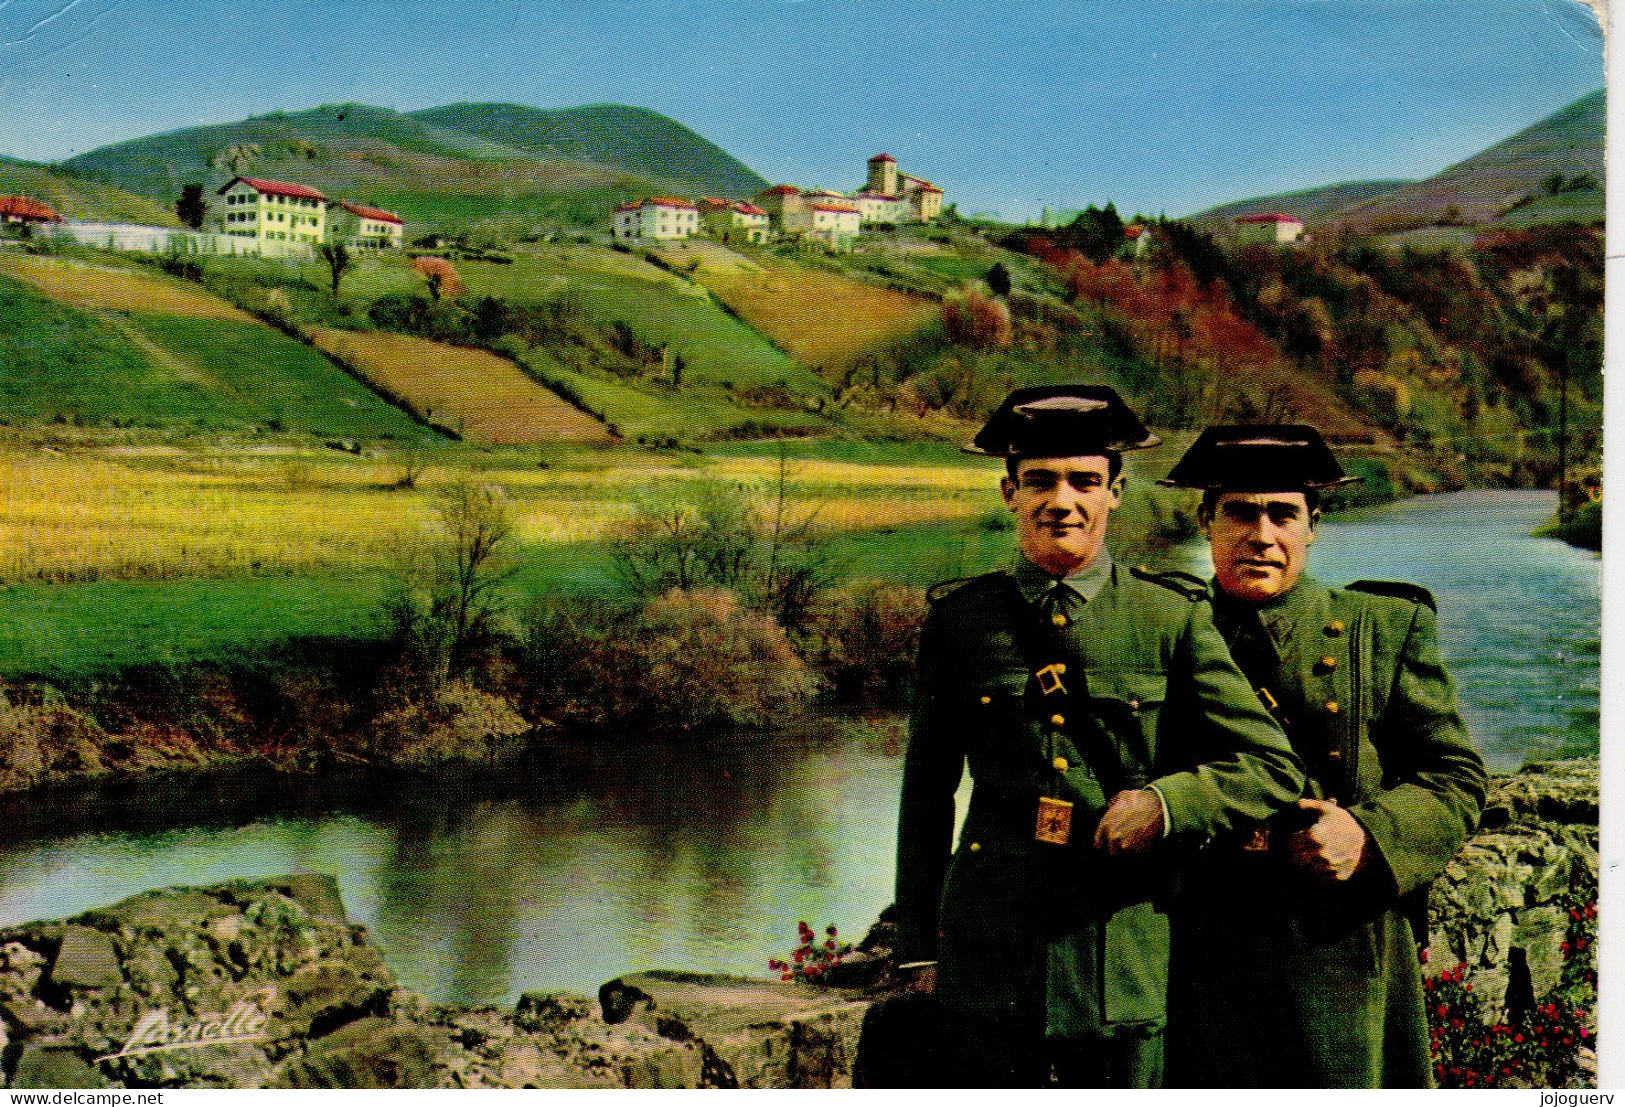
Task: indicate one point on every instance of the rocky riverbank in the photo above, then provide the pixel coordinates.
(267, 984)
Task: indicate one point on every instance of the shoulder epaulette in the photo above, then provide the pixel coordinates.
(1396, 588)
(944, 588)
(1189, 585)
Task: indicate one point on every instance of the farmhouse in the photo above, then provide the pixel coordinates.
(780, 202)
(733, 220)
(365, 227)
(833, 223)
(1273, 228)
(658, 217)
(287, 219)
(25, 212)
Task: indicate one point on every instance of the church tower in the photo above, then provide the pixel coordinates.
(882, 175)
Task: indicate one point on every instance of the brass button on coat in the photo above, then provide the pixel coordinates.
(1058, 619)
(1332, 708)
(1061, 765)
(975, 847)
(1057, 720)
(987, 699)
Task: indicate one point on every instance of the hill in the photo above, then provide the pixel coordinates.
(81, 199)
(1510, 183)
(1312, 205)
(437, 177)
(630, 139)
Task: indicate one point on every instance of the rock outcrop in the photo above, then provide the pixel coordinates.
(1502, 905)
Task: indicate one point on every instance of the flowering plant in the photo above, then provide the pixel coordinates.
(811, 960)
(1536, 1048)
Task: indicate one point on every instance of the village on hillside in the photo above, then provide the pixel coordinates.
(268, 218)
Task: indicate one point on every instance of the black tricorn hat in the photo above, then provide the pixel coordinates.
(1061, 420)
(1258, 457)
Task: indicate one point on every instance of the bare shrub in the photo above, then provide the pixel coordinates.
(973, 318)
(864, 638)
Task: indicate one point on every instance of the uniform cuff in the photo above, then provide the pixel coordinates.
(1167, 823)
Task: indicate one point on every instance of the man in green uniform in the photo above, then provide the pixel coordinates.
(1295, 959)
(1104, 724)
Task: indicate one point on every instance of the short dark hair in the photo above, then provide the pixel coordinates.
(1114, 464)
(1210, 500)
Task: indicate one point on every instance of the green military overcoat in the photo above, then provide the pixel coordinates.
(1282, 981)
(1056, 940)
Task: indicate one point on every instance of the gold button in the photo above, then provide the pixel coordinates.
(1057, 720)
(987, 699)
(975, 847)
(1060, 765)
(1058, 619)
(1133, 705)
(1334, 628)
(1328, 662)
(1332, 708)
(1334, 755)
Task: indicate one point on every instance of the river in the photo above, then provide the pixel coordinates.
(479, 886)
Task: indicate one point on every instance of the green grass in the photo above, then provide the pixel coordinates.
(273, 380)
(169, 372)
(56, 362)
(650, 412)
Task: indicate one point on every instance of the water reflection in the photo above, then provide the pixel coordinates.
(480, 886)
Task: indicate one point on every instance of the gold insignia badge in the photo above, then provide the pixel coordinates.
(1054, 821)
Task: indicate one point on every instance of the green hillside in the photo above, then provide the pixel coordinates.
(1313, 205)
(59, 363)
(568, 166)
(631, 139)
(77, 198)
(1508, 184)
(1484, 186)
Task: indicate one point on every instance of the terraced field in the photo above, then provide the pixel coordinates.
(484, 398)
(820, 319)
(91, 287)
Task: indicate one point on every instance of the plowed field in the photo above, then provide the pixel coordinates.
(821, 319)
(482, 397)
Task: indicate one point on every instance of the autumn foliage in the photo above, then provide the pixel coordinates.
(973, 318)
(440, 276)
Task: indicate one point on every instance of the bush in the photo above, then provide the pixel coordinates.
(864, 638)
(684, 662)
(975, 319)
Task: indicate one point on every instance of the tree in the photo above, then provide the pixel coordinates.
(190, 208)
(476, 529)
(440, 276)
(998, 279)
(338, 259)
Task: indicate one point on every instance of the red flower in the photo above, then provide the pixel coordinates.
(1584, 1033)
(787, 976)
(800, 955)
(1442, 1010)
(1564, 946)
(1517, 1037)
(1468, 987)
(830, 930)
(830, 944)
(1423, 954)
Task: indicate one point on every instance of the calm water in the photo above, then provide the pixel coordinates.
(704, 855)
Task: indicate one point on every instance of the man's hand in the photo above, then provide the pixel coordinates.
(1332, 848)
(1131, 824)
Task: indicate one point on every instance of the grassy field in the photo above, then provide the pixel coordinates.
(819, 318)
(92, 287)
(204, 366)
(484, 398)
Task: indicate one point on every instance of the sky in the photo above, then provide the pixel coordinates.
(1167, 106)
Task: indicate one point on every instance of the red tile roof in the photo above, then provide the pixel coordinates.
(276, 188)
(781, 190)
(845, 208)
(657, 202)
(1272, 217)
(370, 213)
(21, 207)
(713, 202)
(883, 157)
(747, 209)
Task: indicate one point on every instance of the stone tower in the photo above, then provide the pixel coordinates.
(882, 175)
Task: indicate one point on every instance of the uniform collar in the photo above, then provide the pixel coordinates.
(1275, 616)
(1086, 582)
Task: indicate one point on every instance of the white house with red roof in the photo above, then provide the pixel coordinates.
(286, 219)
(733, 220)
(833, 222)
(1272, 228)
(658, 217)
(363, 226)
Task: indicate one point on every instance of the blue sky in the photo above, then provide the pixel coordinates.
(1166, 106)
